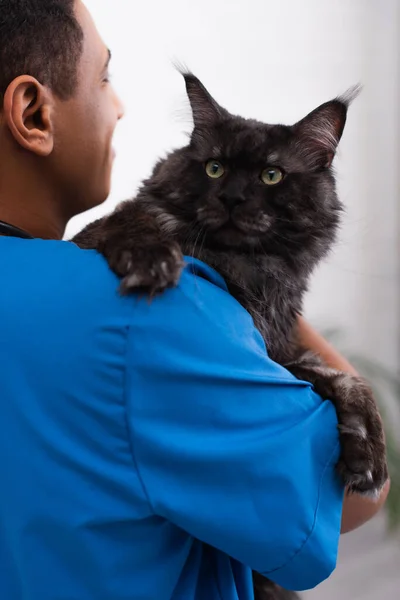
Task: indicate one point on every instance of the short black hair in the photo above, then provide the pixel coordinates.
(41, 38)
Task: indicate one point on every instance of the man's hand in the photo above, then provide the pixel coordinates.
(358, 510)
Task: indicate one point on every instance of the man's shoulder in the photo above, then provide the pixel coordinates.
(56, 268)
(66, 274)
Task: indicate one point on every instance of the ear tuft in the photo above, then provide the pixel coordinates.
(319, 133)
(206, 111)
(350, 95)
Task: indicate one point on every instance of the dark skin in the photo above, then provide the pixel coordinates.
(47, 148)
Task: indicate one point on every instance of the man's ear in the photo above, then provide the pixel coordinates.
(28, 112)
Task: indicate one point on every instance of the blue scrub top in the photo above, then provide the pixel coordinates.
(151, 451)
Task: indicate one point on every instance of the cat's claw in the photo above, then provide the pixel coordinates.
(150, 269)
(362, 464)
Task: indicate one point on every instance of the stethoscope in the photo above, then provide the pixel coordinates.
(12, 231)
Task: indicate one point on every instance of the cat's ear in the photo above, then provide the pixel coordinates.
(206, 111)
(319, 133)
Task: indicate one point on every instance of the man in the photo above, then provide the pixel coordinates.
(147, 452)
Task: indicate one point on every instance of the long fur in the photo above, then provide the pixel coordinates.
(265, 240)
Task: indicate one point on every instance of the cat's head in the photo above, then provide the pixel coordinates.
(251, 187)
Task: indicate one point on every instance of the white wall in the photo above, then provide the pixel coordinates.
(276, 61)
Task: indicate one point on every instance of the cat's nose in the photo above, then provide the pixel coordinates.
(231, 200)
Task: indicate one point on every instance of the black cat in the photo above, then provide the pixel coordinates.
(258, 203)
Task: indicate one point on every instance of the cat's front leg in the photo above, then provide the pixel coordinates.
(136, 249)
(363, 462)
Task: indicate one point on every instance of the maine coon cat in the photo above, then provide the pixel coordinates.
(258, 203)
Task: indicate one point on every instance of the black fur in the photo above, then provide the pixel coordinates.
(265, 240)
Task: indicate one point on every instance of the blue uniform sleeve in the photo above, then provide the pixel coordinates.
(229, 446)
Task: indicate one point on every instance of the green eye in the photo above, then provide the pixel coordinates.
(214, 169)
(271, 176)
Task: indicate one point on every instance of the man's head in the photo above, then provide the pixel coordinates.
(42, 39)
(58, 110)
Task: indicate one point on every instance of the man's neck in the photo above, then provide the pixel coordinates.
(34, 223)
(27, 200)
(10, 230)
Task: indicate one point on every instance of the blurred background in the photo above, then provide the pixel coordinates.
(276, 61)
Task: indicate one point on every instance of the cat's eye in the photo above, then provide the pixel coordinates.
(214, 169)
(271, 176)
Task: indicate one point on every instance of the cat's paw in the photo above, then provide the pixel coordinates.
(362, 465)
(149, 268)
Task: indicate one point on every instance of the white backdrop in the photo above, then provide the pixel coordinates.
(276, 61)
